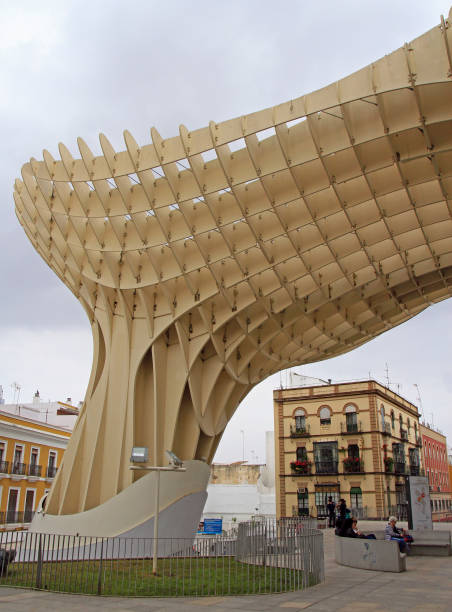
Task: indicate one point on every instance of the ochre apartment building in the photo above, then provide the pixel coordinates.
(31, 451)
(354, 440)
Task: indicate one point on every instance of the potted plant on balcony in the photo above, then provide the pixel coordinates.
(300, 466)
(389, 464)
(351, 464)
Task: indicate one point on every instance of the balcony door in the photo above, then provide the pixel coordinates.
(11, 511)
(29, 505)
(325, 455)
(351, 419)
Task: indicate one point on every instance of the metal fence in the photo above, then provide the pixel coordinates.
(272, 562)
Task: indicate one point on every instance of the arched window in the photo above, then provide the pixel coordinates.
(382, 414)
(351, 419)
(415, 429)
(401, 421)
(392, 419)
(325, 416)
(300, 420)
(408, 424)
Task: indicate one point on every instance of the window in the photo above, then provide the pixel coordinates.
(303, 502)
(325, 456)
(401, 421)
(325, 416)
(300, 420)
(356, 499)
(321, 498)
(351, 419)
(34, 456)
(382, 415)
(2, 451)
(302, 454)
(392, 419)
(352, 462)
(18, 455)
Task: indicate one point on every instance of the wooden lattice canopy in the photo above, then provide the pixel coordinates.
(212, 259)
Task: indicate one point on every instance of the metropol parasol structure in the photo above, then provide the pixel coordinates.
(208, 261)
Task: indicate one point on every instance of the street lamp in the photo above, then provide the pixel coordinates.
(140, 455)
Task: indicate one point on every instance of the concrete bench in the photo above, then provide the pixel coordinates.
(427, 543)
(377, 555)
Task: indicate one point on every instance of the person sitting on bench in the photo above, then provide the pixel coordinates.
(395, 534)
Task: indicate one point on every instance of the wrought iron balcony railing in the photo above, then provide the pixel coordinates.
(399, 467)
(11, 516)
(51, 471)
(351, 428)
(386, 429)
(404, 435)
(299, 432)
(19, 468)
(34, 470)
(303, 467)
(4, 467)
(353, 467)
(416, 470)
(326, 467)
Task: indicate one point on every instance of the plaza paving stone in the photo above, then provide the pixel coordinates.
(426, 586)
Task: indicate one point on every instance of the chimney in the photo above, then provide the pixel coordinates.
(36, 398)
(69, 400)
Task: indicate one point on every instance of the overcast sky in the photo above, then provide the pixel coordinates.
(71, 69)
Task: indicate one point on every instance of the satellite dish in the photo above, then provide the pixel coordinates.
(174, 459)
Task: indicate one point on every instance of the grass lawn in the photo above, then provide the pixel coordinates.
(176, 577)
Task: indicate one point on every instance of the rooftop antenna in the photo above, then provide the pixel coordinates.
(16, 392)
(387, 375)
(419, 401)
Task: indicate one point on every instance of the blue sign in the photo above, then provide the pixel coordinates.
(213, 526)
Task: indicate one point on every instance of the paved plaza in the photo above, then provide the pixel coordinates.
(425, 586)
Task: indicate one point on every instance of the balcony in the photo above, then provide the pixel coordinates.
(301, 467)
(419, 441)
(386, 429)
(404, 435)
(20, 469)
(353, 465)
(34, 470)
(399, 467)
(299, 432)
(13, 517)
(326, 467)
(4, 467)
(350, 428)
(416, 470)
(51, 471)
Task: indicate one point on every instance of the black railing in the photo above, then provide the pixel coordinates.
(11, 516)
(34, 470)
(4, 467)
(350, 427)
(399, 467)
(386, 429)
(299, 432)
(51, 471)
(19, 468)
(353, 467)
(404, 435)
(326, 467)
(416, 470)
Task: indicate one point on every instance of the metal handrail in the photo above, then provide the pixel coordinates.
(19, 468)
